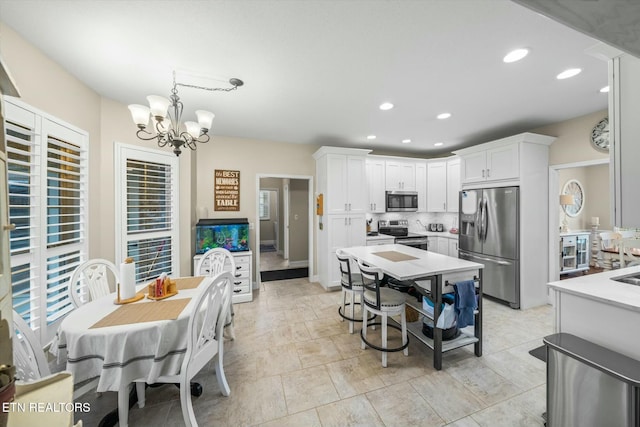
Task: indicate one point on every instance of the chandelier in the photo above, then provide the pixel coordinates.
(166, 115)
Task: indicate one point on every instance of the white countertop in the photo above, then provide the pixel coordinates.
(380, 237)
(427, 263)
(444, 234)
(600, 287)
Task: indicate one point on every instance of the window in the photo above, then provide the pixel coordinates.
(147, 211)
(264, 205)
(47, 181)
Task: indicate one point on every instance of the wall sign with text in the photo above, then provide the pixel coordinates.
(227, 190)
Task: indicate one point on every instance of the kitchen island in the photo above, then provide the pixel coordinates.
(434, 272)
(601, 310)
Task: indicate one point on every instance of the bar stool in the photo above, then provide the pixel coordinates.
(384, 302)
(351, 286)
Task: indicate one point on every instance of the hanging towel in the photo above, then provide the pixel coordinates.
(465, 302)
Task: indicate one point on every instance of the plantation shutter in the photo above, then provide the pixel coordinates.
(149, 211)
(47, 184)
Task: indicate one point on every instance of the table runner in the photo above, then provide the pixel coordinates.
(394, 256)
(188, 282)
(144, 312)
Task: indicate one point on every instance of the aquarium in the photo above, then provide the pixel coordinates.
(229, 233)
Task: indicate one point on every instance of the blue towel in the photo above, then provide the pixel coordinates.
(465, 302)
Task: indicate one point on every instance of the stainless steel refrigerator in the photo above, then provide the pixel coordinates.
(489, 234)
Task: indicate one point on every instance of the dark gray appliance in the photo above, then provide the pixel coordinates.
(400, 230)
(489, 234)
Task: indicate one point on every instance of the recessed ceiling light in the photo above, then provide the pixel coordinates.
(605, 89)
(386, 106)
(371, 137)
(568, 73)
(443, 116)
(406, 141)
(515, 55)
(438, 144)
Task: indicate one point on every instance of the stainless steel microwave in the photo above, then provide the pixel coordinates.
(401, 201)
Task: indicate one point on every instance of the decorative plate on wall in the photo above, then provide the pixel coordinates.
(574, 188)
(600, 135)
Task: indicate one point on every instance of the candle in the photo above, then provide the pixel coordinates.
(595, 220)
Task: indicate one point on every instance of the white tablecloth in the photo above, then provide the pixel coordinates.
(118, 355)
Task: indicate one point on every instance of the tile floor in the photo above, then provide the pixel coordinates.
(294, 363)
(272, 261)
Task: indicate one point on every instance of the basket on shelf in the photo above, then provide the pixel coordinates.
(411, 314)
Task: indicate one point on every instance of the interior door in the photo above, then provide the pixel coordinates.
(285, 217)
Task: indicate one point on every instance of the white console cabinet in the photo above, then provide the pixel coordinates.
(242, 287)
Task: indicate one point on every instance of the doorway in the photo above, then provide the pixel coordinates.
(284, 229)
(595, 177)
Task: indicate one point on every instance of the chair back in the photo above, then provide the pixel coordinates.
(344, 262)
(214, 262)
(91, 279)
(371, 282)
(206, 325)
(627, 254)
(28, 355)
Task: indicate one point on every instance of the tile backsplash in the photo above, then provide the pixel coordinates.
(449, 220)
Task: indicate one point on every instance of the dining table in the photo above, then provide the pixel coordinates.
(434, 272)
(117, 344)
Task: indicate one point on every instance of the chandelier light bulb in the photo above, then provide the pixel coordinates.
(159, 105)
(205, 119)
(193, 129)
(140, 114)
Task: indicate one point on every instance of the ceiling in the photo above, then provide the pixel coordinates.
(315, 72)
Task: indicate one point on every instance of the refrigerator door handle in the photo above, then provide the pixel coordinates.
(466, 254)
(484, 219)
(478, 220)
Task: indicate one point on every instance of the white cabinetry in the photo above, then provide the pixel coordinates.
(443, 245)
(437, 187)
(453, 185)
(400, 175)
(492, 164)
(574, 252)
(453, 247)
(421, 186)
(242, 288)
(443, 185)
(347, 179)
(341, 178)
(376, 185)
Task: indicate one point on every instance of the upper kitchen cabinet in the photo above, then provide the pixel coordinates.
(437, 186)
(421, 186)
(400, 175)
(443, 185)
(342, 179)
(453, 184)
(376, 184)
(499, 162)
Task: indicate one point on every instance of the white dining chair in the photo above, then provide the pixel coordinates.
(204, 342)
(626, 246)
(214, 262)
(91, 280)
(28, 354)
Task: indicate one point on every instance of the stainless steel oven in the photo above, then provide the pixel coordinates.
(399, 229)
